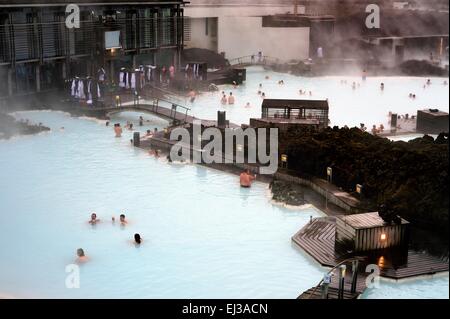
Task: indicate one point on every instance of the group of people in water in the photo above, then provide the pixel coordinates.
(227, 100)
(94, 220)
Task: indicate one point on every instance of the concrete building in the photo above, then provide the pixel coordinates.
(241, 28)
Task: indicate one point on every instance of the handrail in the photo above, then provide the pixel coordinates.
(331, 270)
(257, 61)
(168, 101)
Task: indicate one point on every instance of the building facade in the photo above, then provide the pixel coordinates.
(38, 51)
(238, 28)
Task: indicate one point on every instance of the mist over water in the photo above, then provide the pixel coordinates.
(366, 104)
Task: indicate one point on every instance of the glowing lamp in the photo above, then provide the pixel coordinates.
(383, 236)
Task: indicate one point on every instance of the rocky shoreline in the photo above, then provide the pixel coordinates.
(421, 68)
(10, 127)
(288, 193)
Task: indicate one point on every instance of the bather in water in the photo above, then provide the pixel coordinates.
(81, 257)
(94, 220)
(137, 239)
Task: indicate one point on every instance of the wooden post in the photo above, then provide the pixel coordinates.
(10, 81)
(136, 139)
(341, 281)
(38, 78)
(325, 284)
(393, 122)
(355, 265)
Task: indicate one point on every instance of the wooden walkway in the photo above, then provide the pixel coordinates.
(332, 294)
(157, 106)
(317, 239)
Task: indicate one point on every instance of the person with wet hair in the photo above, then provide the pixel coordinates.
(137, 239)
(123, 221)
(94, 220)
(81, 256)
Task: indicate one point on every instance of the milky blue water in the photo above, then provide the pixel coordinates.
(366, 104)
(204, 236)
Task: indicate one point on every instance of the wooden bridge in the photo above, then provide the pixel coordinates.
(162, 108)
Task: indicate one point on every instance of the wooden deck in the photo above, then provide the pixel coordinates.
(317, 239)
(332, 294)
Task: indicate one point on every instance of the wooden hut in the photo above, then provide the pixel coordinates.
(285, 114)
(368, 231)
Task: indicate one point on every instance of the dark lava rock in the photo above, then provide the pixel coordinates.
(288, 193)
(421, 68)
(9, 127)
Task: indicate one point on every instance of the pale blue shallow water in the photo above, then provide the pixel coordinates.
(204, 236)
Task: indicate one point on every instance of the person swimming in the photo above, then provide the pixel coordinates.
(122, 219)
(246, 178)
(263, 95)
(248, 105)
(137, 239)
(382, 86)
(81, 256)
(141, 121)
(231, 98)
(94, 220)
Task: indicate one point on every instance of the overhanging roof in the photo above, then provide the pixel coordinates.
(366, 220)
(295, 104)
